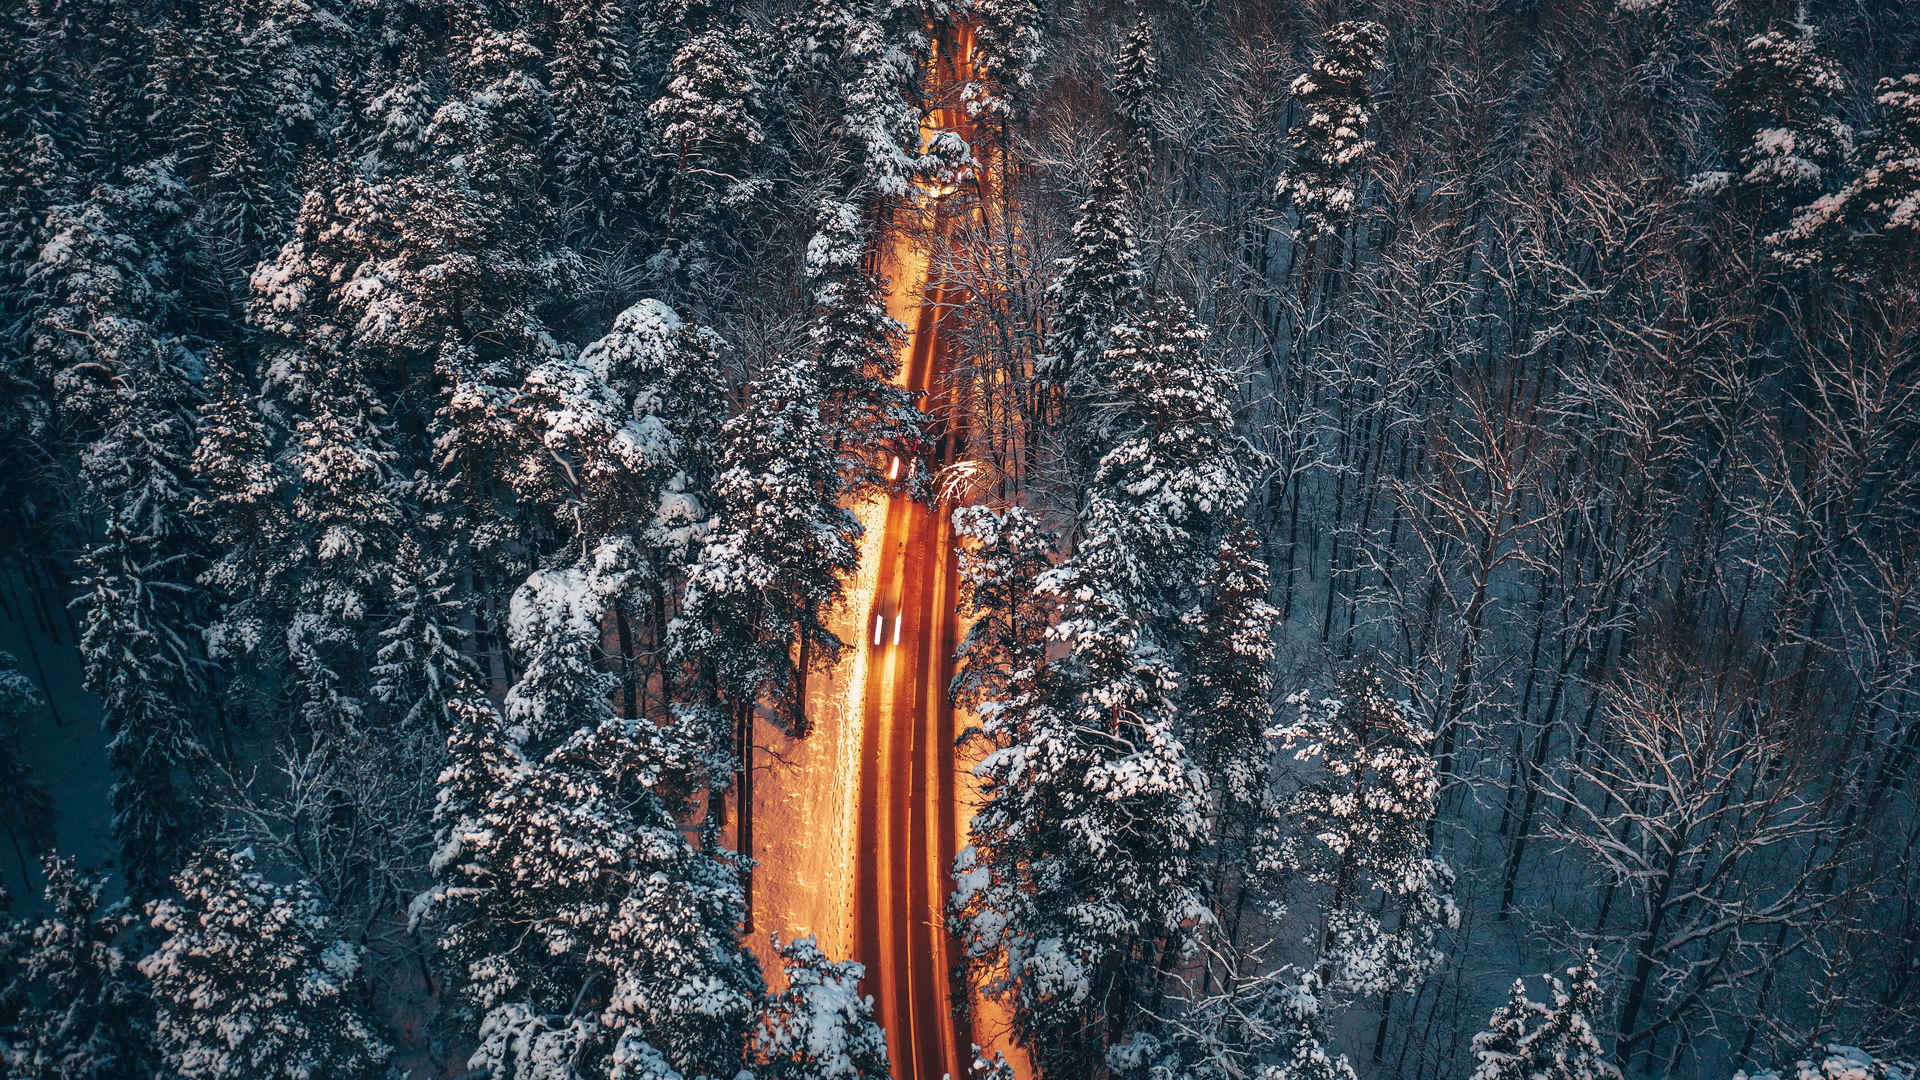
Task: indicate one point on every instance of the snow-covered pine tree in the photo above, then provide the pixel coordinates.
(1135, 75)
(26, 812)
(1500, 1052)
(347, 516)
(1329, 136)
(856, 347)
(1837, 1061)
(583, 462)
(592, 939)
(251, 981)
(820, 1027)
(670, 373)
(709, 125)
(866, 57)
(33, 179)
(1169, 459)
(1783, 142)
(1001, 554)
(71, 1005)
(123, 380)
(1304, 1038)
(753, 617)
(1565, 1047)
(240, 506)
(1097, 283)
(1359, 830)
(1009, 46)
(601, 141)
(1083, 877)
(1230, 687)
(1867, 231)
(420, 661)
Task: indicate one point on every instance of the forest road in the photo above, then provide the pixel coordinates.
(907, 829)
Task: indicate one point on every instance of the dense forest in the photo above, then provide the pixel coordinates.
(1435, 488)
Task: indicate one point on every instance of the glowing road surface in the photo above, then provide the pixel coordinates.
(858, 824)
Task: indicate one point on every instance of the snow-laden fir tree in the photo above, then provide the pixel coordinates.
(238, 505)
(1135, 76)
(1304, 1038)
(868, 55)
(347, 516)
(1083, 877)
(856, 348)
(33, 179)
(1001, 554)
(1009, 46)
(588, 934)
(1097, 282)
(1230, 686)
(584, 463)
(1784, 144)
(669, 372)
(125, 382)
(72, 1006)
(820, 1027)
(1526, 1040)
(421, 659)
(1358, 832)
(1170, 458)
(600, 140)
(709, 124)
(753, 620)
(1564, 1046)
(1868, 230)
(1328, 139)
(251, 980)
(1837, 1061)
(1500, 1051)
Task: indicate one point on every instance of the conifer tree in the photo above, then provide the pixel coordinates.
(1500, 1051)
(1784, 143)
(820, 1027)
(420, 662)
(1168, 455)
(123, 383)
(1009, 47)
(1134, 76)
(26, 812)
(857, 350)
(600, 134)
(347, 515)
(1361, 831)
(562, 853)
(249, 980)
(1304, 1038)
(1329, 137)
(71, 1005)
(1867, 231)
(1098, 282)
(780, 547)
(709, 124)
(1230, 686)
(669, 372)
(1001, 554)
(1565, 1046)
(866, 57)
(1083, 874)
(239, 505)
